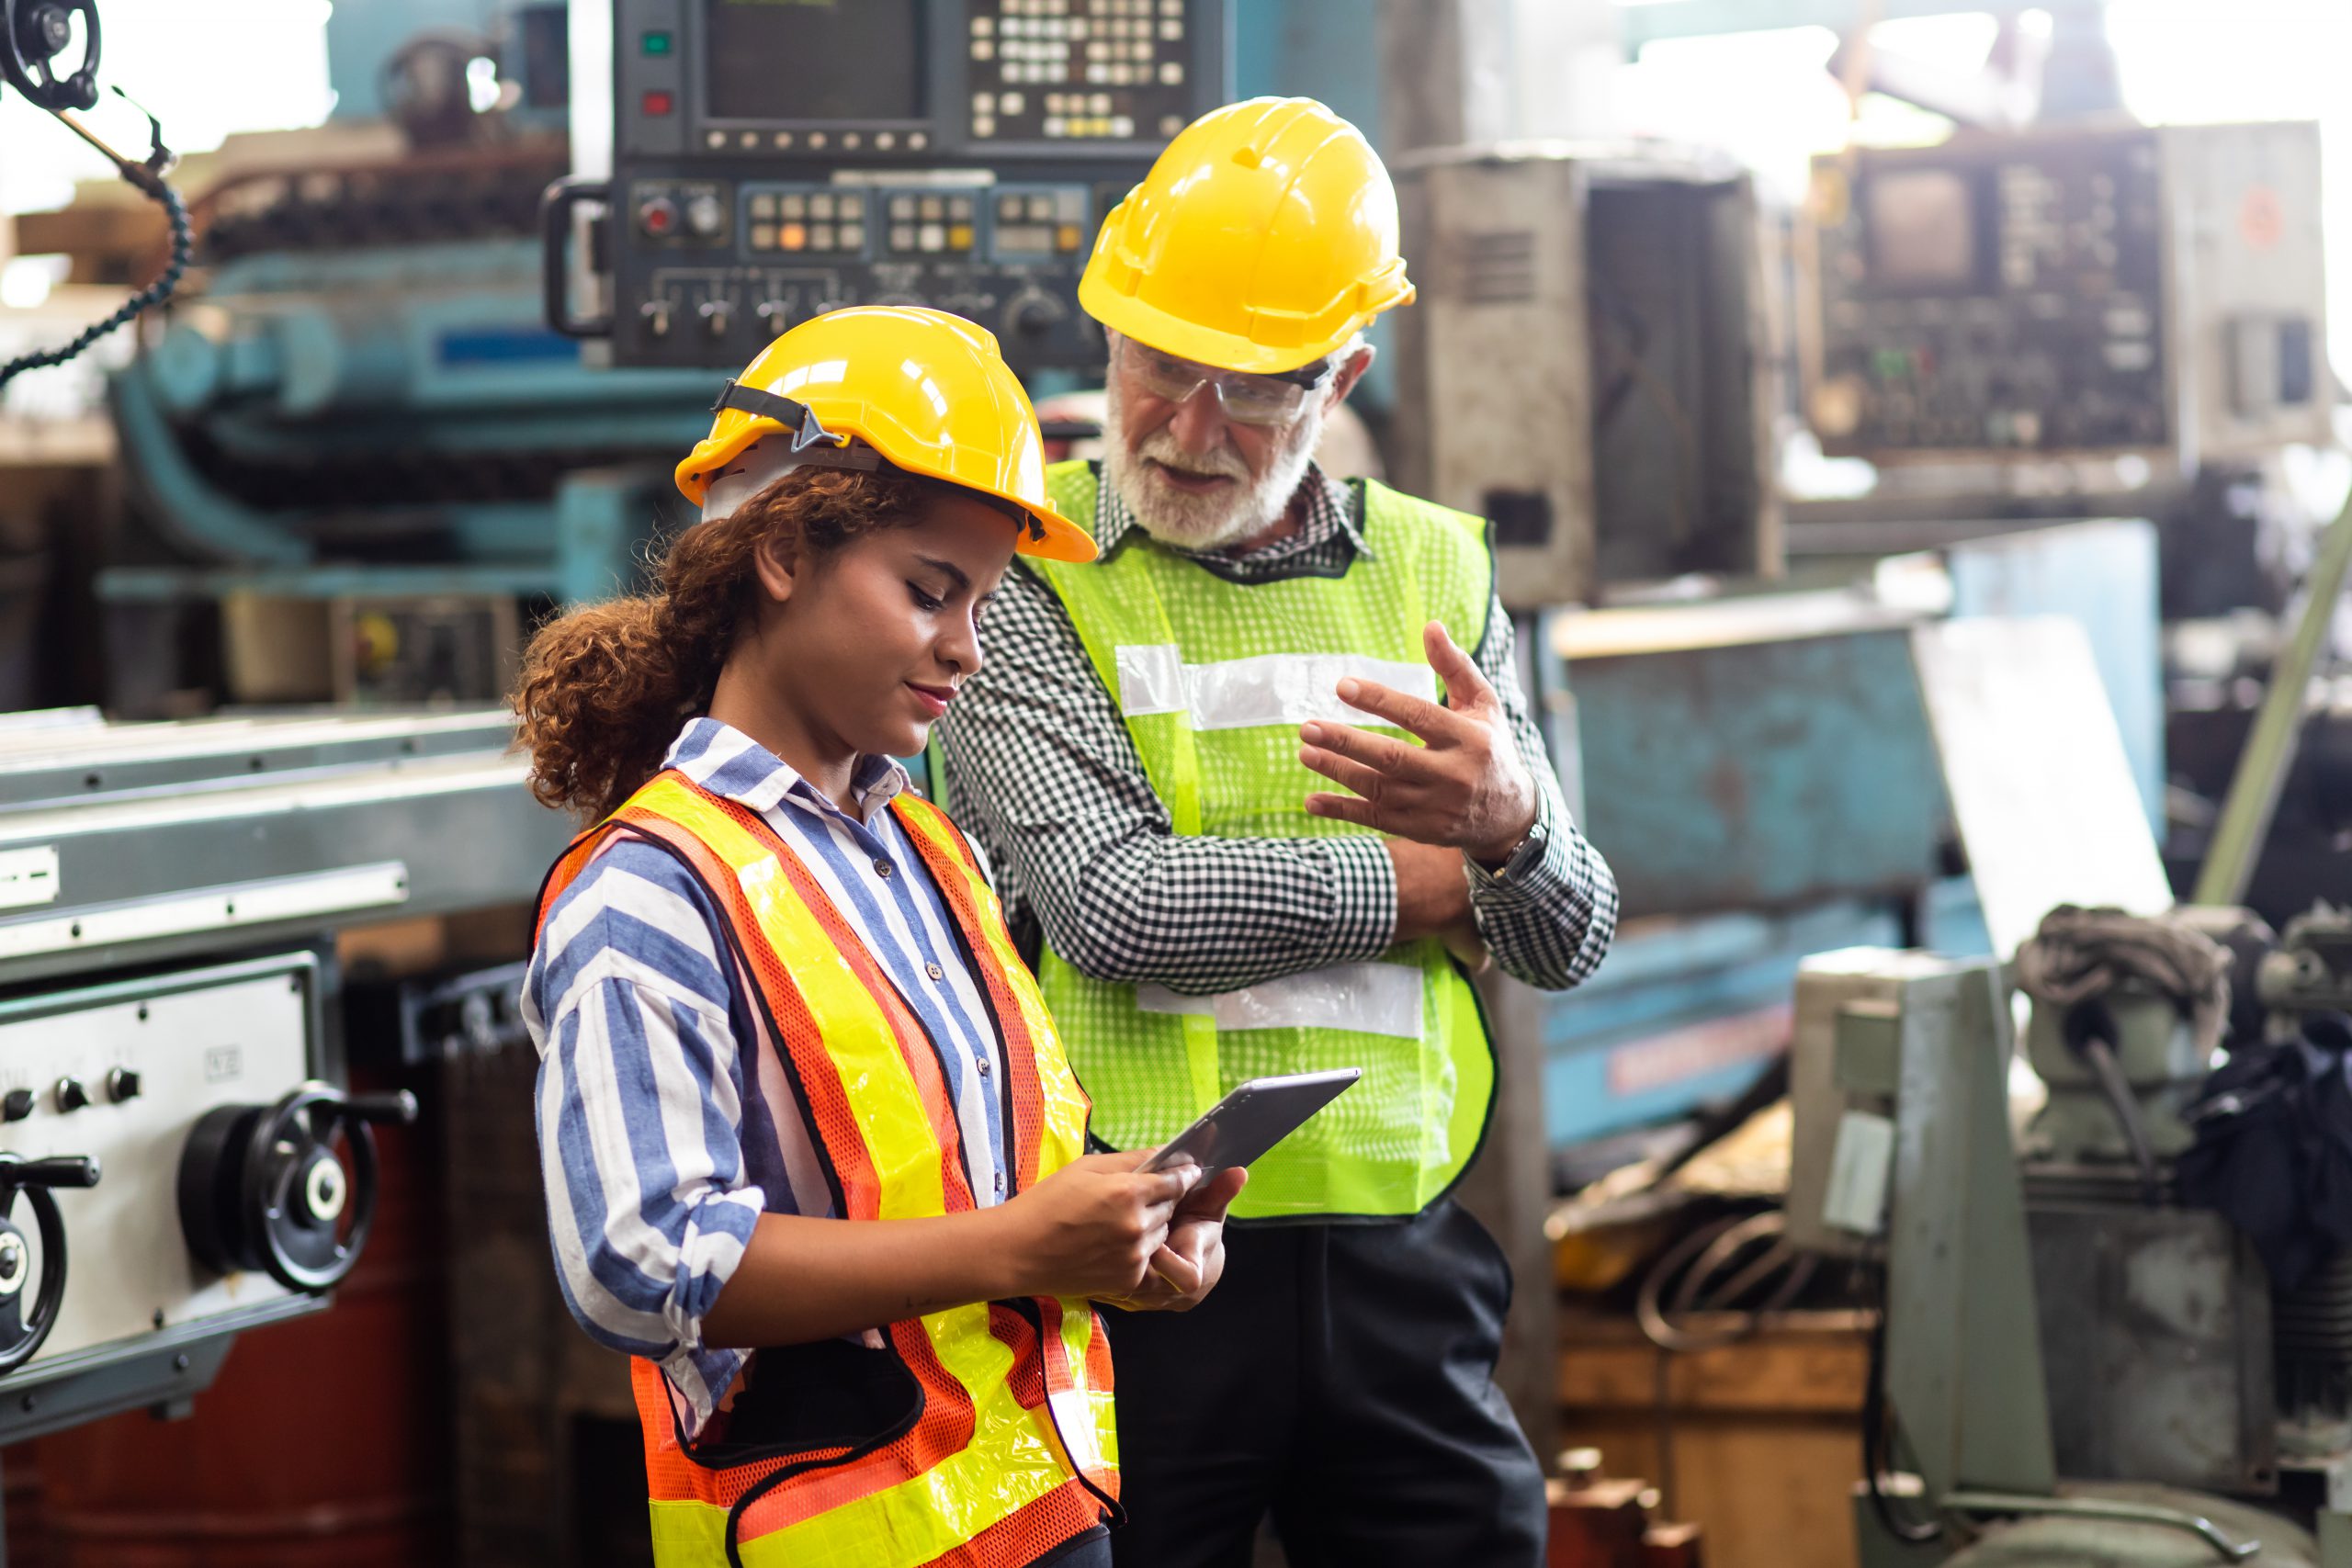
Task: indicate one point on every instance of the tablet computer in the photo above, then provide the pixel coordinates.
(1255, 1117)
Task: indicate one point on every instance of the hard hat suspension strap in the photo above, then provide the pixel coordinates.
(798, 418)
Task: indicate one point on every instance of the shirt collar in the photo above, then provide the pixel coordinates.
(731, 764)
(1330, 512)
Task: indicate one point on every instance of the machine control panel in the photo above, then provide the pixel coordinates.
(2136, 290)
(775, 161)
(120, 1076)
(173, 1168)
(2013, 302)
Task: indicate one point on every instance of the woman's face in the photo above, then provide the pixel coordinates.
(871, 641)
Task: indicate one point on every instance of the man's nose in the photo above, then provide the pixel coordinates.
(1199, 422)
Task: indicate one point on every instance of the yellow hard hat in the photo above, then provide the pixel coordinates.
(919, 389)
(1264, 237)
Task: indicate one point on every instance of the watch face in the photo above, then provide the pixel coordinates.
(1534, 837)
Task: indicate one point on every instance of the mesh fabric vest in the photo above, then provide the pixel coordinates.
(982, 1436)
(1213, 679)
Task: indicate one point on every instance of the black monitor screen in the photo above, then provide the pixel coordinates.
(855, 59)
(1922, 228)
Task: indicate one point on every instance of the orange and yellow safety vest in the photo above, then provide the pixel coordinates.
(982, 1436)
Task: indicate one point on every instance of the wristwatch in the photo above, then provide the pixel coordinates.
(1528, 851)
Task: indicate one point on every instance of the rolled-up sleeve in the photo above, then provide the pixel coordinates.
(1547, 915)
(639, 1109)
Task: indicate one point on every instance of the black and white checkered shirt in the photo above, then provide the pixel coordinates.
(1042, 773)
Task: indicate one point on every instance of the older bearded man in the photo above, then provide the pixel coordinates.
(1152, 756)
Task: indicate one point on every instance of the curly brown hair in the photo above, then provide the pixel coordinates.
(604, 690)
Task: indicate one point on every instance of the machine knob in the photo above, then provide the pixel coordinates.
(1031, 313)
(30, 42)
(70, 1094)
(122, 1083)
(657, 216)
(704, 216)
(16, 1105)
(657, 316)
(22, 1331)
(714, 313)
(51, 27)
(260, 1186)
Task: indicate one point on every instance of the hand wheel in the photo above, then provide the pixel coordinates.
(33, 33)
(260, 1186)
(21, 1331)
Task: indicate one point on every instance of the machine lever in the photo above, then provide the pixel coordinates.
(398, 1106)
(2231, 1549)
(25, 1317)
(61, 1170)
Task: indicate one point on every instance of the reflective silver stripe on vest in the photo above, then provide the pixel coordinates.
(1272, 688)
(1369, 999)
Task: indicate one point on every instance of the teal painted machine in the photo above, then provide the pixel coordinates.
(1763, 775)
(330, 415)
(330, 418)
(363, 400)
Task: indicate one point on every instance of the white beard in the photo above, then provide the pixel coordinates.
(1221, 518)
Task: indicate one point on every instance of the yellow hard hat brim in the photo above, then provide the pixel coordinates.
(1056, 538)
(1131, 317)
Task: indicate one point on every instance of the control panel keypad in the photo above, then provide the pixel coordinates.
(1024, 224)
(1078, 70)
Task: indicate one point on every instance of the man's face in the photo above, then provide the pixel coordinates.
(1194, 475)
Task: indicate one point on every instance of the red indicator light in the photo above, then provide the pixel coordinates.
(659, 103)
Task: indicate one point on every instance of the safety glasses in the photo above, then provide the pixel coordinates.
(1244, 398)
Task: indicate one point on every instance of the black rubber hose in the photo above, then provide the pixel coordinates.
(156, 293)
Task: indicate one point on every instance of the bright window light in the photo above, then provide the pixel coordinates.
(26, 282)
(203, 79)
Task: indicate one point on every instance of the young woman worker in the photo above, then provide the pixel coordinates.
(813, 1154)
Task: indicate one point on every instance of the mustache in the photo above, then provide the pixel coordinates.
(1223, 463)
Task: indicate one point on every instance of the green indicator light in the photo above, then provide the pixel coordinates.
(657, 44)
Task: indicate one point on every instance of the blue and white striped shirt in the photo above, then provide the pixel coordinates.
(666, 1123)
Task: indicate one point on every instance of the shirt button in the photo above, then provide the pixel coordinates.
(935, 971)
(984, 1066)
(999, 1184)
(881, 868)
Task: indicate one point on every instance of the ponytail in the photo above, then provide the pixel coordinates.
(604, 690)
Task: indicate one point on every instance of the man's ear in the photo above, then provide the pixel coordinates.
(1351, 369)
(776, 561)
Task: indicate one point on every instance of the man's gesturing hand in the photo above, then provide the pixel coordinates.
(1464, 787)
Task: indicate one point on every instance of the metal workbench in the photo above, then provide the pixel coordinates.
(131, 844)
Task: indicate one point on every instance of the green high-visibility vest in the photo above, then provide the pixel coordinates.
(1213, 679)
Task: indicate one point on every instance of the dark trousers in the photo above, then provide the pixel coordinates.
(1091, 1549)
(1341, 1378)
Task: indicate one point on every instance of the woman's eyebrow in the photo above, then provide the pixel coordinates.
(955, 574)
